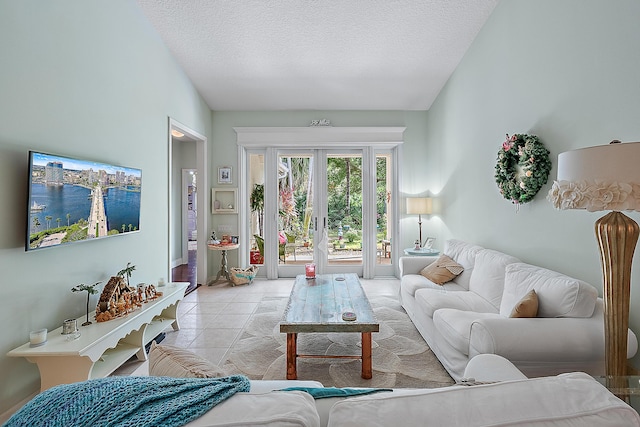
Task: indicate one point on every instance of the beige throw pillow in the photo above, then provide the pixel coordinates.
(170, 361)
(527, 306)
(442, 270)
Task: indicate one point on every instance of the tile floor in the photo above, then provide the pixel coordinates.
(212, 317)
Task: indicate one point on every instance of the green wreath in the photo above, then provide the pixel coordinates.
(522, 168)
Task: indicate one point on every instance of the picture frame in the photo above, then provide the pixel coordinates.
(428, 243)
(235, 239)
(224, 175)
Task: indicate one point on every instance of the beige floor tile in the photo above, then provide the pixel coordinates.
(227, 321)
(182, 338)
(208, 308)
(195, 320)
(216, 337)
(239, 308)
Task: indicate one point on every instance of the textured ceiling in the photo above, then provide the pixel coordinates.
(318, 54)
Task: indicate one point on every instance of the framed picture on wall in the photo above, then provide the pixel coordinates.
(224, 175)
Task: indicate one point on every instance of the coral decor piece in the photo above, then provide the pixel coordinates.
(522, 168)
(119, 299)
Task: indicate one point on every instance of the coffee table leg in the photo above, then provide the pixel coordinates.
(367, 370)
(292, 354)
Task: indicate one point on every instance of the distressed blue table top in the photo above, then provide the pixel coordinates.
(316, 305)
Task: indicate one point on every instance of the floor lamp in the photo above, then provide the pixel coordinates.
(419, 206)
(607, 178)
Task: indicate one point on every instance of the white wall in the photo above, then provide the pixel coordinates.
(566, 71)
(90, 79)
(415, 165)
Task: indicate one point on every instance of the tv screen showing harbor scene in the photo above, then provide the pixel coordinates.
(73, 200)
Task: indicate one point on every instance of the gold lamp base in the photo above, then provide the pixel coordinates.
(617, 237)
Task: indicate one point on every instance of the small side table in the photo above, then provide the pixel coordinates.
(224, 271)
(421, 252)
(626, 388)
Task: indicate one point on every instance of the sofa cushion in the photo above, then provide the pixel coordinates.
(527, 306)
(170, 361)
(464, 254)
(454, 326)
(412, 282)
(430, 300)
(277, 409)
(442, 270)
(487, 278)
(558, 295)
(512, 403)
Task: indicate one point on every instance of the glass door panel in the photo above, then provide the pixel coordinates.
(344, 209)
(295, 172)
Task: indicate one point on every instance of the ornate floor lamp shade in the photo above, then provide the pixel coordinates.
(607, 178)
(419, 206)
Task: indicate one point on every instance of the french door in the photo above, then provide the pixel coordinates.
(319, 195)
(321, 216)
(323, 206)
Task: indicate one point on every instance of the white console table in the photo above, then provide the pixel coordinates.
(103, 347)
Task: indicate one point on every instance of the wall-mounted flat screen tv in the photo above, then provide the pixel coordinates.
(73, 200)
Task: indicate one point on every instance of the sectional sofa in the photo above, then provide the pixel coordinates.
(494, 393)
(471, 313)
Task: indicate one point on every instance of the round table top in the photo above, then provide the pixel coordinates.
(223, 246)
(421, 252)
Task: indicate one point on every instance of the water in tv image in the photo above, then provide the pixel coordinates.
(73, 200)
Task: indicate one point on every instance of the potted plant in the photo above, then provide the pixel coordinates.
(91, 289)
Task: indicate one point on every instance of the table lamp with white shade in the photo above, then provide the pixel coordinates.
(607, 178)
(419, 206)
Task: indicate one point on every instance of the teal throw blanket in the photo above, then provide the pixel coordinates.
(325, 392)
(127, 401)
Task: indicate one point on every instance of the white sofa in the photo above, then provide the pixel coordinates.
(470, 314)
(568, 399)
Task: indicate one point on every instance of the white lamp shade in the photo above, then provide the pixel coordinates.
(419, 205)
(605, 177)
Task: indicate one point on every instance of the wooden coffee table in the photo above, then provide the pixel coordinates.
(317, 305)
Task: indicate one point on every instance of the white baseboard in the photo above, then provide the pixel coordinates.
(4, 417)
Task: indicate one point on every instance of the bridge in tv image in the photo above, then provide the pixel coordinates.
(97, 217)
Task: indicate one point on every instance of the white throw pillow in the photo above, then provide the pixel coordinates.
(558, 295)
(487, 279)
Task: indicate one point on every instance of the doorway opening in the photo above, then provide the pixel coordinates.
(187, 226)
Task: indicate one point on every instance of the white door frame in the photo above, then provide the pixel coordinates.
(273, 138)
(201, 184)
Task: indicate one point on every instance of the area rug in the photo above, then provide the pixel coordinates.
(401, 357)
